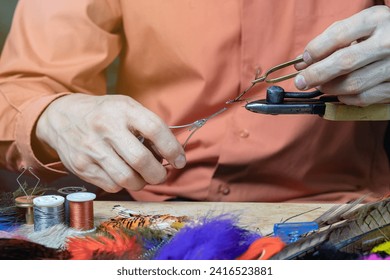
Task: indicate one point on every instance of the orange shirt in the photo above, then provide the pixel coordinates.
(183, 59)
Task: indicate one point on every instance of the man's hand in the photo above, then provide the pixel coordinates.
(96, 138)
(351, 59)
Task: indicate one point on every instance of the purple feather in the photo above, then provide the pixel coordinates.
(376, 257)
(216, 238)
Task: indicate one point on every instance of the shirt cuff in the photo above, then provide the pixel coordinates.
(25, 124)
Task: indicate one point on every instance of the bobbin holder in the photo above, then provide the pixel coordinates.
(278, 101)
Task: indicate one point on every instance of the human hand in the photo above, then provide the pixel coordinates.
(96, 139)
(351, 59)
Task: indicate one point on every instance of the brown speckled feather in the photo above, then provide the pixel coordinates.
(362, 229)
(19, 249)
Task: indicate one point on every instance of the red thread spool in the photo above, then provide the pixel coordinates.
(81, 211)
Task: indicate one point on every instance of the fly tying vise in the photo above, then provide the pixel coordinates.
(278, 101)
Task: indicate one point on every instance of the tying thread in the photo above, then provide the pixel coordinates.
(48, 211)
(81, 211)
(64, 192)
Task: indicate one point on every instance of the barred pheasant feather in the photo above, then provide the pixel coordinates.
(349, 232)
(131, 220)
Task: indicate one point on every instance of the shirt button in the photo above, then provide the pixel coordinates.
(224, 189)
(244, 133)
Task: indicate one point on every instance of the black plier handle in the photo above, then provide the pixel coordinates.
(328, 107)
(279, 101)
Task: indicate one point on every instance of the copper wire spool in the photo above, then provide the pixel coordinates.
(64, 192)
(81, 211)
(26, 204)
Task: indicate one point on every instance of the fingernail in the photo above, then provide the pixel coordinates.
(307, 58)
(300, 82)
(180, 161)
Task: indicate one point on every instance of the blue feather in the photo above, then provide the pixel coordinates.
(7, 225)
(10, 219)
(218, 238)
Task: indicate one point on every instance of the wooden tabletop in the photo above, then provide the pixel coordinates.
(254, 216)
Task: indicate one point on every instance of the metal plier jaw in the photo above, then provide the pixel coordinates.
(278, 101)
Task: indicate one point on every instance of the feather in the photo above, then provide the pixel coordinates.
(128, 219)
(10, 217)
(115, 246)
(151, 239)
(263, 248)
(217, 238)
(362, 229)
(376, 257)
(384, 247)
(338, 212)
(9, 234)
(330, 253)
(19, 249)
(53, 237)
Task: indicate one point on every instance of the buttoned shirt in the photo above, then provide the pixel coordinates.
(183, 59)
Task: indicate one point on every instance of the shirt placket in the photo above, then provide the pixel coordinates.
(220, 190)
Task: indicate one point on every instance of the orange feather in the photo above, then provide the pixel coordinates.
(118, 246)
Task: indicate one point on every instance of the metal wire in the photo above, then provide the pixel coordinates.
(21, 185)
(264, 78)
(196, 125)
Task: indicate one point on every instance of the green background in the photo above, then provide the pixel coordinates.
(7, 8)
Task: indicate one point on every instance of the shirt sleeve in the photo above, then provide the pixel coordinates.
(54, 48)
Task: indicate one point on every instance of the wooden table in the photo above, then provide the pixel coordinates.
(254, 216)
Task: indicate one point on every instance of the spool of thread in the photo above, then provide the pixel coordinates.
(64, 192)
(81, 211)
(25, 207)
(48, 211)
(71, 189)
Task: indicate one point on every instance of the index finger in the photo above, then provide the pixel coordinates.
(341, 34)
(152, 128)
(339, 63)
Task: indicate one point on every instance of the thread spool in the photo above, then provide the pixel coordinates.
(48, 211)
(64, 192)
(25, 206)
(81, 211)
